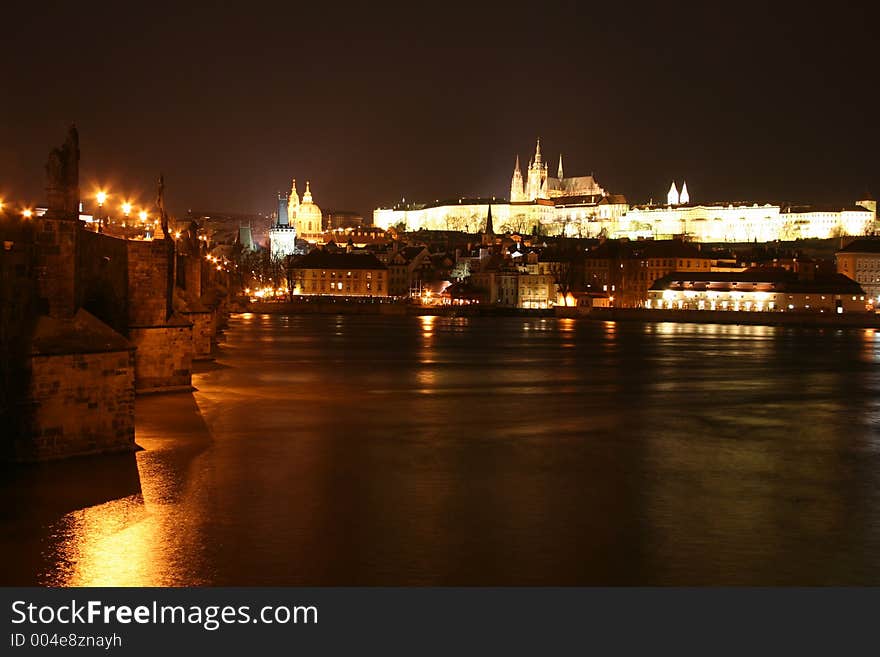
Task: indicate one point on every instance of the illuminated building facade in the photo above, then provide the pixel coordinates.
(757, 290)
(860, 261)
(626, 270)
(282, 236)
(340, 274)
(745, 222)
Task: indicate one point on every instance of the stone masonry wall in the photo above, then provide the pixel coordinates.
(163, 360)
(203, 333)
(102, 270)
(55, 265)
(148, 283)
(81, 404)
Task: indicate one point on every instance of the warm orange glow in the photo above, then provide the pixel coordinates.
(126, 208)
(27, 213)
(142, 215)
(101, 197)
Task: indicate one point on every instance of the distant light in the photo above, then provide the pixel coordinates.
(100, 197)
(142, 215)
(126, 208)
(27, 213)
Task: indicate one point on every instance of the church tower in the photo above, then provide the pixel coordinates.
(536, 186)
(672, 197)
(684, 198)
(559, 172)
(517, 193)
(292, 203)
(489, 233)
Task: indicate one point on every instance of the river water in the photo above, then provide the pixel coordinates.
(429, 450)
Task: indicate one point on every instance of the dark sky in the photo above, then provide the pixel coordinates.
(371, 105)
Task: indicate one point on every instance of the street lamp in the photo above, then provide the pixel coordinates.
(101, 197)
(143, 215)
(126, 208)
(27, 213)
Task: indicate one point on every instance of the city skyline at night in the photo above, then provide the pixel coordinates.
(752, 103)
(438, 321)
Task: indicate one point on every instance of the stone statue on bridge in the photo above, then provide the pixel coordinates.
(62, 177)
(160, 204)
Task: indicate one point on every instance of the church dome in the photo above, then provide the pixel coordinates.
(308, 215)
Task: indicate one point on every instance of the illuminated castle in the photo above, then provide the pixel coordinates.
(579, 207)
(539, 185)
(539, 202)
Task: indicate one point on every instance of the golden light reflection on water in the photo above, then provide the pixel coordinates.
(148, 538)
(107, 545)
(427, 322)
(511, 451)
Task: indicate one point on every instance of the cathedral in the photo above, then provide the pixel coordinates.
(539, 185)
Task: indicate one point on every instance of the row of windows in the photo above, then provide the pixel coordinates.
(338, 285)
(368, 275)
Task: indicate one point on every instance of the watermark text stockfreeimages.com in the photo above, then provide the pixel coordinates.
(209, 617)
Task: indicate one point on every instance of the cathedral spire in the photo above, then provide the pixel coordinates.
(538, 152)
(559, 173)
(489, 228)
(517, 192)
(307, 195)
(684, 198)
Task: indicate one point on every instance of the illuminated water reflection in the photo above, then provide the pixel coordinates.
(430, 450)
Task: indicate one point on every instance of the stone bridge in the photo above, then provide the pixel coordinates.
(90, 320)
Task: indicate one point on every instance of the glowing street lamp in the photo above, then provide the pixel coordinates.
(142, 215)
(27, 213)
(126, 208)
(101, 197)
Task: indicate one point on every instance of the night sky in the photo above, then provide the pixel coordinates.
(745, 103)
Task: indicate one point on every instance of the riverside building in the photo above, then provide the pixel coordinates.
(340, 274)
(757, 290)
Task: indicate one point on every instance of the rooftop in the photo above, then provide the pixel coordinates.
(862, 246)
(780, 279)
(323, 259)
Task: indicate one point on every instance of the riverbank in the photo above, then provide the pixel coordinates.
(392, 308)
(352, 307)
(860, 320)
